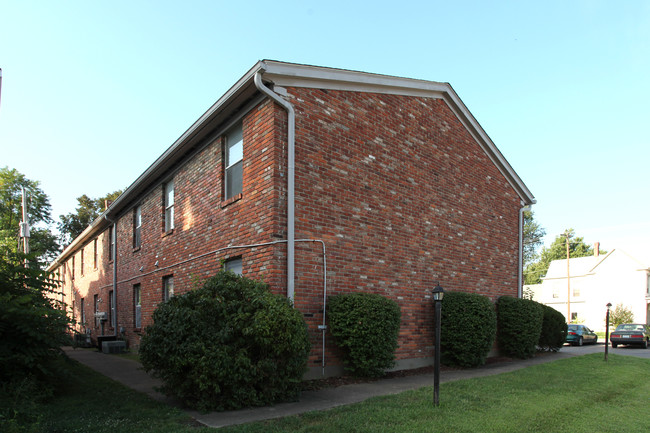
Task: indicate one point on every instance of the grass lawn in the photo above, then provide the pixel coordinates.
(579, 394)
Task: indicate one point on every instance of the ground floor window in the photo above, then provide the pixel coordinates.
(234, 265)
(168, 287)
(137, 314)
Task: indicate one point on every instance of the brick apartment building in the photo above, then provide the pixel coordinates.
(317, 181)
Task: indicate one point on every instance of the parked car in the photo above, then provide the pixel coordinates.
(631, 333)
(577, 335)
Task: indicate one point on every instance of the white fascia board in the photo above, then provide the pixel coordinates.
(296, 75)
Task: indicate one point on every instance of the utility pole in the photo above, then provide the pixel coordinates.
(24, 225)
(568, 278)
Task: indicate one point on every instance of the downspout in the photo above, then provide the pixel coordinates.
(114, 257)
(290, 178)
(520, 276)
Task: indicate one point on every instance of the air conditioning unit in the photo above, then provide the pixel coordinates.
(118, 346)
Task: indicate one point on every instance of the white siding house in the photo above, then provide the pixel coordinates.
(615, 278)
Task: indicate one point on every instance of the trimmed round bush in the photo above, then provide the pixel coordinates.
(468, 329)
(365, 326)
(519, 324)
(554, 330)
(228, 345)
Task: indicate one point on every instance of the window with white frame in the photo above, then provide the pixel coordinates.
(234, 155)
(81, 264)
(82, 312)
(111, 243)
(234, 265)
(96, 309)
(95, 254)
(137, 227)
(168, 287)
(169, 205)
(137, 306)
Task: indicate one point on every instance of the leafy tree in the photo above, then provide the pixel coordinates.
(533, 235)
(32, 329)
(535, 271)
(88, 210)
(620, 314)
(42, 242)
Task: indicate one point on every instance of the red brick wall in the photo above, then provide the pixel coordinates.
(397, 189)
(403, 197)
(203, 224)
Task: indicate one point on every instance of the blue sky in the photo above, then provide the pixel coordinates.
(94, 92)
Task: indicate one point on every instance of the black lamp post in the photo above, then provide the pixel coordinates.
(438, 293)
(609, 305)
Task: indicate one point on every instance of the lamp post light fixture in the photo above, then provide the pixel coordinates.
(438, 293)
(609, 305)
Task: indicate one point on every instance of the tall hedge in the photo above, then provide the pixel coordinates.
(554, 330)
(519, 326)
(227, 345)
(365, 326)
(468, 329)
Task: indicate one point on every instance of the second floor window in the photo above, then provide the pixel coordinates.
(95, 254)
(169, 205)
(137, 227)
(111, 243)
(234, 155)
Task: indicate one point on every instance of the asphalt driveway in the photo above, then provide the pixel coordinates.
(637, 351)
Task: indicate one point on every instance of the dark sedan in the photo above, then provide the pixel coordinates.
(577, 335)
(631, 333)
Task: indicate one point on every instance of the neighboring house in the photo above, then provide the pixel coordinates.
(595, 281)
(317, 181)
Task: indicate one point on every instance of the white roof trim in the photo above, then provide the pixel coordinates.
(295, 75)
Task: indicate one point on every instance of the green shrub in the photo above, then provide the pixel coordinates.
(227, 345)
(468, 329)
(554, 330)
(32, 330)
(365, 326)
(519, 324)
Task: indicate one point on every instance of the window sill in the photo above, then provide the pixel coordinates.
(168, 233)
(137, 330)
(136, 249)
(231, 200)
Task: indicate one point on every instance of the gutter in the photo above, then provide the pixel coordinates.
(113, 253)
(290, 177)
(520, 267)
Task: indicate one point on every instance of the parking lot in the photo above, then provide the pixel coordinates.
(600, 348)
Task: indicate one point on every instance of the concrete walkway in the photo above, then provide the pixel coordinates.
(131, 374)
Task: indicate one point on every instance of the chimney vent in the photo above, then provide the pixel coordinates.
(596, 249)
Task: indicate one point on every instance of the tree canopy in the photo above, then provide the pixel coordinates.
(533, 235)
(43, 243)
(536, 270)
(87, 211)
